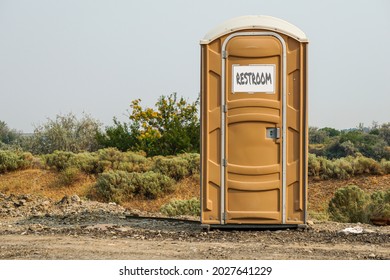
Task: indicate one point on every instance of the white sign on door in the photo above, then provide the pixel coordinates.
(254, 78)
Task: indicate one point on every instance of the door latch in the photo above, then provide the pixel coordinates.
(273, 132)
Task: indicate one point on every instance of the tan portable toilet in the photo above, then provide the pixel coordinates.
(254, 124)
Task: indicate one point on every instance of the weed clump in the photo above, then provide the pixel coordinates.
(120, 186)
(152, 185)
(380, 204)
(193, 160)
(68, 176)
(344, 168)
(115, 186)
(87, 163)
(349, 205)
(178, 207)
(59, 160)
(11, 161)
(174, 167)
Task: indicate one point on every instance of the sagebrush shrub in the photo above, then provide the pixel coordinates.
(26, 161)
(113, 159)
(110, 158)
(135, 162)
(135, 157)
(193, 160)
(115, 186)
(364, 165)
(380, 204)
(174, 167)
(119, 186)
(59, 159)
(104, 165)
(385, 166)
(344, 168)
(68, 176)
(349, 205)
(8, 161)
(87, 162)
(178, 207)
(11, 161)
(314, 166)
(152, 185)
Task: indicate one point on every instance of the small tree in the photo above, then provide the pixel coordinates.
(119, 136)
(317, 136)
(384, 132)
(172, 127)
(7, 135)
(66, 133)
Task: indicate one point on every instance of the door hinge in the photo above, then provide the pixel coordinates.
(224, 108)
(224, 216)
(224, 162)
(224, 54)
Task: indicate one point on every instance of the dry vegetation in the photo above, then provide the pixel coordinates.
(45, 183)
(149, 183)
(108, 175)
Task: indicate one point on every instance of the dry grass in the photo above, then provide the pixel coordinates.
(43, 183)
(186, 189)
(321, 192)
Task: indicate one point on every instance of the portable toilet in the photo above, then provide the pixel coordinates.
(254, 124)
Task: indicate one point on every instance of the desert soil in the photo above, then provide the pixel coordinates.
(35, 227)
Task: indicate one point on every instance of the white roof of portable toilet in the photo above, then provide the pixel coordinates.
(255, 22)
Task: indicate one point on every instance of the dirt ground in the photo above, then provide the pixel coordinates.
(35, 227)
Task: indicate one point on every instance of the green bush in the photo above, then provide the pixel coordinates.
(372, 142)
(68, 176)
(385, 166)
(380, 204)
(189, 207)
(364, 165)
(119, 136)
(11, 161)
(113, 159)
(119, 186)
(349, 205)
(152, 185)
(98, 162)
(115, 186)
(344, 168)
(137, 158)
(59, 159)
(109, 158)
(314, 166)
(174, 167)
(135, 162)
(26, 160)
(87, 162)
(193, 160)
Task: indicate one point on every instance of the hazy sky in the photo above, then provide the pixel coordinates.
(96, 56)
